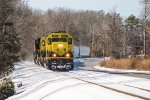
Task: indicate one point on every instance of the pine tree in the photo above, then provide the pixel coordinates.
(9, 40)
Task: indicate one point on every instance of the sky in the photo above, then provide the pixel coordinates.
(124, 7)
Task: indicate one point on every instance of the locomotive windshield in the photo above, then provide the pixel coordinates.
(59, 40)
(70, 41)
(63, 40)
(55, 39)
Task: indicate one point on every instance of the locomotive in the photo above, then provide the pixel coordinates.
(54, 51)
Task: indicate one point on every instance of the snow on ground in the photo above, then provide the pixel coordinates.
(118, 82)
(39, 83)
(120, 70)
(95, 64)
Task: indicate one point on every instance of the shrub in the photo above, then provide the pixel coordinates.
(143, 64)
(6, 89)
(139, 64)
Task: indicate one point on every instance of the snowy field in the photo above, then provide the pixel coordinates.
(37, 83)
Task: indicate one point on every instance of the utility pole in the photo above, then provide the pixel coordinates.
(144, 34)
(93, 38)
(79, 54)
(125, 41)
(144, 42)
(79, 51)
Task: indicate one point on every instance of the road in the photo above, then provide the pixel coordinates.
(39, 83)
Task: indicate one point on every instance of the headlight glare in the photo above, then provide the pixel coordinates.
(67, 55)
(60, 45)
(54, 55)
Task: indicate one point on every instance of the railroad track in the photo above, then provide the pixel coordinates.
(112, 81)
(39, 87)
(81, 78)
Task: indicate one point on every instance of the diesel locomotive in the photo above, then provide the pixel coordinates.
(55, 51)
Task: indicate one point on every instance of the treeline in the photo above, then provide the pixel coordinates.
(107, 34)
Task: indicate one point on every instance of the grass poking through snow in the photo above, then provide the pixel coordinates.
(138, 64)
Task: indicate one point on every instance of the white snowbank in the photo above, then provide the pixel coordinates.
(120, 70)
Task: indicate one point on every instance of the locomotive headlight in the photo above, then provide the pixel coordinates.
(67, 55)
(54, 55)
(60, 45)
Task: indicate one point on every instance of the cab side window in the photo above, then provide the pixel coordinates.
(43, 43)
(69, 40)
(49, 41)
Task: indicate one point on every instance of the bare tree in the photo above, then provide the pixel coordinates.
(115, 34)
(146, 33)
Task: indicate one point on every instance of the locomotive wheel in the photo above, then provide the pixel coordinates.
(44, 64)
(49, 66)
(38, 62)
(53, 67)
(72, 66)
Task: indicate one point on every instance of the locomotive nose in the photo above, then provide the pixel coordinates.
(60, 45)
(62, 48)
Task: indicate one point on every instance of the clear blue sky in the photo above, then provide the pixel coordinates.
(124, 7)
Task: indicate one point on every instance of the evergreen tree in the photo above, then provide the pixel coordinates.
(9, 39)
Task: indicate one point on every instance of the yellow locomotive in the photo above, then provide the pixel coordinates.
(55, 51)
